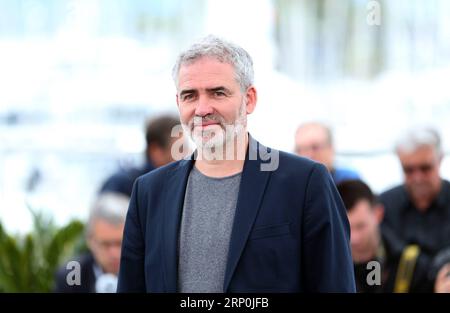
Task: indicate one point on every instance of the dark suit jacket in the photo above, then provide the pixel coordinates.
(87, 277)
(290, 231)
(122, 181)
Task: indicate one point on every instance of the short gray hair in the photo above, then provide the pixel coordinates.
(415, 138)
(223, 51)
(110, 207)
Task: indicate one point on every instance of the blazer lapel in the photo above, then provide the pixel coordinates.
(175, 188)
(251, 191)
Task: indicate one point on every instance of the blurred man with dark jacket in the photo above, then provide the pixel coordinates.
(418, 211)
(157, 153)
(397, 271)
(99, 268)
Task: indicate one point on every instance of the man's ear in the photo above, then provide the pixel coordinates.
(441, 156)
(178, 102)
(379, 212)
(154, 151)
(251, 97)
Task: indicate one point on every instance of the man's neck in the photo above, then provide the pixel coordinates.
(226, 165)
(424, 203)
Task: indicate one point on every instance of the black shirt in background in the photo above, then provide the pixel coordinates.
(122, 181)
(430, 230)
(392, 249)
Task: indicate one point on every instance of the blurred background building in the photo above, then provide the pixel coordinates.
(79, 77)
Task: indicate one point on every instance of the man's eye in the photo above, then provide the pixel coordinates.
(219, 94)
(187, 97)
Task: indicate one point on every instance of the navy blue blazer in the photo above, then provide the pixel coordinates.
(290, 231)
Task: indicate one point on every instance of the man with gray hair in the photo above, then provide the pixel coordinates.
(236, 216)
(104, 230)
(418, 211)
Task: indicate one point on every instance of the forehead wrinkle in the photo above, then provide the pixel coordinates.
(206, 73)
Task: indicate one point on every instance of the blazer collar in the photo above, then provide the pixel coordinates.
(251, 191)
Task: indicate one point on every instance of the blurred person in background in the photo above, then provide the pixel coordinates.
(158, 153)
(370, 242)
(440, 271)
(418, 211)
(314, 141)
(104, 230)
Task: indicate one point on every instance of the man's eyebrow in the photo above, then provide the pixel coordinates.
(220, 88)
(187, 91)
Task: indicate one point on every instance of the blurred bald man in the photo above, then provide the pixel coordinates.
(314, 141)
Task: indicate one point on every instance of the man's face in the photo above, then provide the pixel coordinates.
(105, 244)
(364, 221)
(421, 170)
(163, 155)
(213, 109)
(312, 142)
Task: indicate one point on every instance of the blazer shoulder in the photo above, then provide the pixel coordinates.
(158, 175)
(290, 162)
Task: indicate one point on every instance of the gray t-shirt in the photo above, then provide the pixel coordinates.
(206, 224)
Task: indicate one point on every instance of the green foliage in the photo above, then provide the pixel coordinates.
(28, 263)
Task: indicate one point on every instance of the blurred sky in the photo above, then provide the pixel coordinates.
(79, 77)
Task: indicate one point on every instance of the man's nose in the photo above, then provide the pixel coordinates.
(417, 176)
(203, 107)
